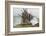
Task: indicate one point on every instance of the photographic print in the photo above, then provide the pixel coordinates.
(25, 17)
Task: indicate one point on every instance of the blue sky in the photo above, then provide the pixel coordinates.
(33, 11)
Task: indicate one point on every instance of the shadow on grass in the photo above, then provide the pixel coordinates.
(26, 25)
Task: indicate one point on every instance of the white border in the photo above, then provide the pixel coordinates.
(29, 28)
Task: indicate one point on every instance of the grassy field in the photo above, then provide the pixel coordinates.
(26, 25)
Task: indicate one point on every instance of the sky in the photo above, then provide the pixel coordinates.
(33, 11)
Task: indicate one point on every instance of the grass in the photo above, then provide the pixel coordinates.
(26, 25)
